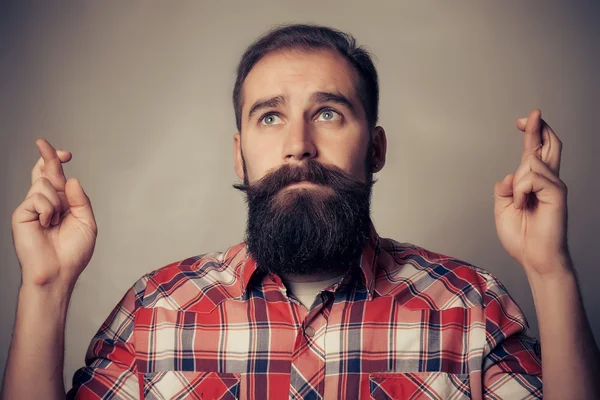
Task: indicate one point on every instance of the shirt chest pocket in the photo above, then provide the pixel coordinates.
(419, 385)
(176, 385)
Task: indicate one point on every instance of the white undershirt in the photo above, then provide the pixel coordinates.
(306, 292)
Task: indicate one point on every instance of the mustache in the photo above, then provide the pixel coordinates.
(308, 171)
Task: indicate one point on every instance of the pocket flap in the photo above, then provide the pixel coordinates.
(191, 385)
(419, 385)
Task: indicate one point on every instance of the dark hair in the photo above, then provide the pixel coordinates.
(312, 37)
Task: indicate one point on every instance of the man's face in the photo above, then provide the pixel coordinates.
(298, 105)
(306, 157)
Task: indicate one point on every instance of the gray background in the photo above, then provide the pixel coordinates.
(140, 93)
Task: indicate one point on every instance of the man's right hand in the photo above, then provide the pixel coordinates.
(54, 228)
(54, 231)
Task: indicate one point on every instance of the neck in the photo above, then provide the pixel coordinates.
(313, 277)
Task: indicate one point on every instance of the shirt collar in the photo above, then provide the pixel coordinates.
(248, 272)
(368, 261)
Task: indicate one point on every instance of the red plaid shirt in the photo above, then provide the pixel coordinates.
(408, 323)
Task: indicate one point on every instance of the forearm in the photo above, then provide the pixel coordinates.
(570, 357)
(35, 362)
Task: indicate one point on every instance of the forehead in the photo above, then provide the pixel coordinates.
(296, 74)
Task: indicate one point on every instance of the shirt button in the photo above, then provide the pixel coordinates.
(309, 331)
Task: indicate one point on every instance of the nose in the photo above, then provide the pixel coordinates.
(299, 144)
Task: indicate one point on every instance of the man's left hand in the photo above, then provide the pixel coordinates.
(531, 204)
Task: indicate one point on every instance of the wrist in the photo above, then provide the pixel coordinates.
(557, 286)
(553, 268)
(54, 297)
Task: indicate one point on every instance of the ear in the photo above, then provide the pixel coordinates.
(378, 148)
(237, 156)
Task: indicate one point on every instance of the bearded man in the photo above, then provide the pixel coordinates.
(314, 304)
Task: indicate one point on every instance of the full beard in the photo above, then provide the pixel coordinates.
(307, 231)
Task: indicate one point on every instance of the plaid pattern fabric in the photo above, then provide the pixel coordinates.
(407, 324)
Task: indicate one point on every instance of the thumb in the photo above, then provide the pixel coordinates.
(522, 123)
(79, 203)
(504, 188)
(503, 192)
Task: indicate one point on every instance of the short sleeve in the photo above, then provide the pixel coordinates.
(512, 367)
(110, 371)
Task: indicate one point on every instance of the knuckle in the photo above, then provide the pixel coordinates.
(37, 196)
(45, 205)
(562, 186)
(44, 186)
(42, 202)
(42, 181)
(518, 186)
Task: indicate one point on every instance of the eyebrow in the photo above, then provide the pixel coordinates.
(271, 102)
(338, 98)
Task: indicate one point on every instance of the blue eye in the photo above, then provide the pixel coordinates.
(328, 115)
(270, 119)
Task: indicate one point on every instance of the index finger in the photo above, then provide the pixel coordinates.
(549, 148)
(52, 165)
(533, 134)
